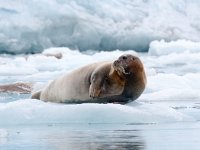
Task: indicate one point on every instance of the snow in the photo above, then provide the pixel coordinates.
(31, 26)
(171, 95)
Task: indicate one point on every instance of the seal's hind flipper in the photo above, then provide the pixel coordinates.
(36, 95)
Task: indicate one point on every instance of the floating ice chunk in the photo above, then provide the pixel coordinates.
(170, 77)
(172, 87)
(38, 112)
(3, 136)
(180, 46)
(171, 94)
(3, 133)
(16, 66)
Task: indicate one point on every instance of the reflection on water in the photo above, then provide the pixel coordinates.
(63, 138)
(102, 139)
(167, 136)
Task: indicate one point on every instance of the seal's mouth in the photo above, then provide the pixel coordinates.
(124, 71)
(119, 67)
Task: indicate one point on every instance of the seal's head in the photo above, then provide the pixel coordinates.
(127, 64)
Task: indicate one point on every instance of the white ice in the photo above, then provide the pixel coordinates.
(33, 25)
(172, 92)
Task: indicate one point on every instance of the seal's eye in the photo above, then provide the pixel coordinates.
(124, 57)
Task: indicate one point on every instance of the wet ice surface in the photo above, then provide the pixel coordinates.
(166, 116)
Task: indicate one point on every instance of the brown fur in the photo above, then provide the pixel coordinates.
(118, 81)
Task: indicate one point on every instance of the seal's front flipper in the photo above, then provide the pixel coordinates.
(95, 88)
(96, 82)
(94, 92)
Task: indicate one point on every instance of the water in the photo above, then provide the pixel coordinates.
(171, 136)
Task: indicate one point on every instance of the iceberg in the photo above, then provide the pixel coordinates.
(31, 26)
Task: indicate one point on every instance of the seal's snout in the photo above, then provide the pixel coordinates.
(121, 61)
(116, 62)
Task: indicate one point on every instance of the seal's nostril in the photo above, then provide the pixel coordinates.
(116, 62)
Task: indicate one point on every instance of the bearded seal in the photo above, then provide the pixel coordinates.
(119, 81)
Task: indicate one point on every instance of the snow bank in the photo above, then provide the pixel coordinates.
(31, 26)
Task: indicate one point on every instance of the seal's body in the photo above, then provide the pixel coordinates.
(118, 81)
